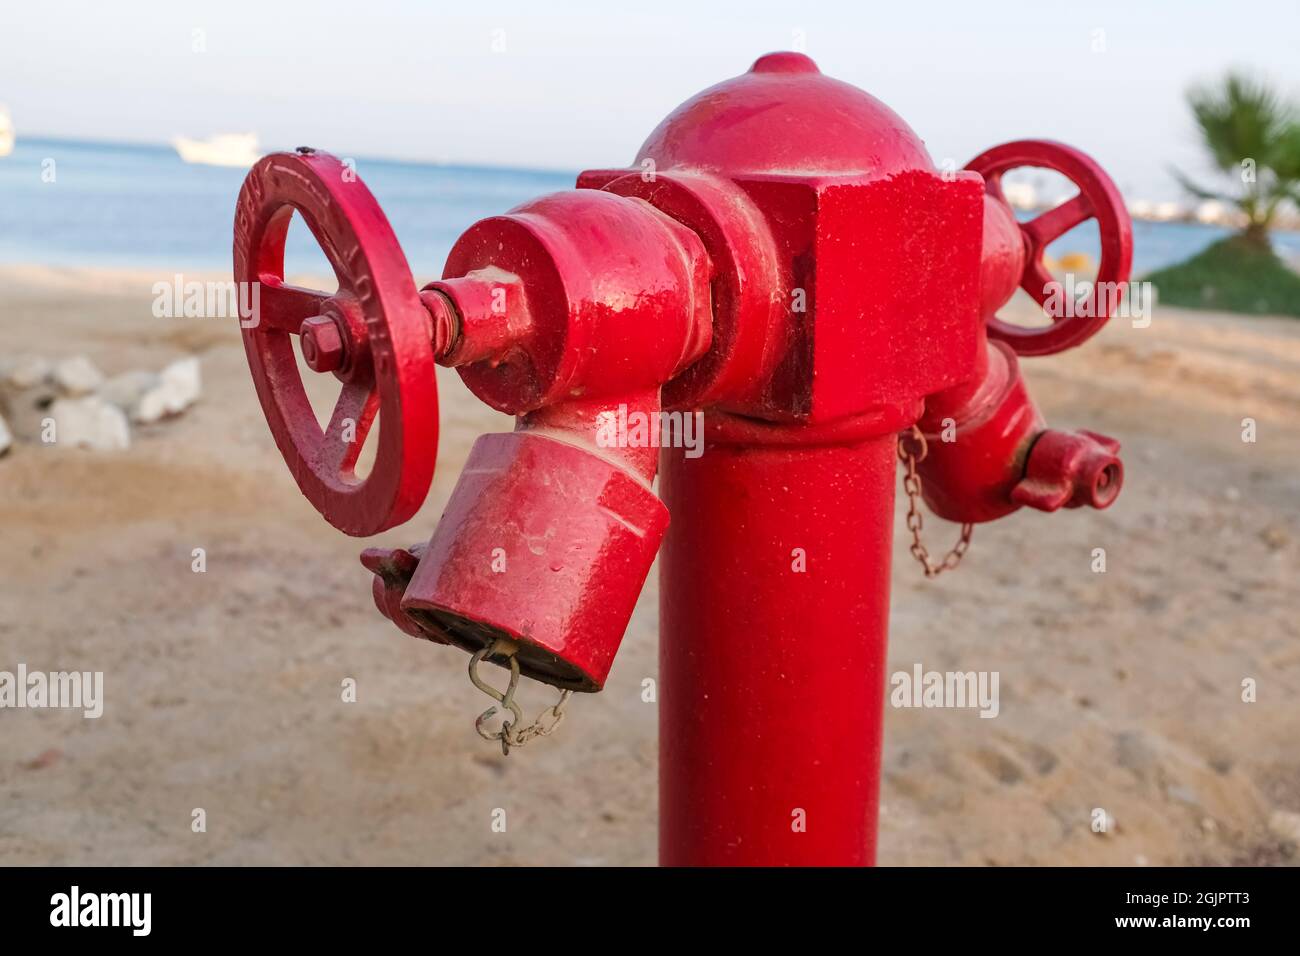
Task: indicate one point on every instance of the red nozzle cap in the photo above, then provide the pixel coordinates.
(1070, 470)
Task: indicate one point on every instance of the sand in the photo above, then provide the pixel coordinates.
(1119, 691)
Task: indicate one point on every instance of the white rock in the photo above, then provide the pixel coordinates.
(89, 422)
(184, 378)
(177, 389)
(6, 438)
(153, 405)
(28, 372)
(77, 376)
(159, 402)
(1285, 824)
(126, 390)
(25, 409)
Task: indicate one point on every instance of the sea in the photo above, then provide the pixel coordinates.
(74, 203)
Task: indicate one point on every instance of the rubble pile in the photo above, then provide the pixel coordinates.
(70, 403)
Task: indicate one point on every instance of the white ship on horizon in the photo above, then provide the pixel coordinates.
(224, 149)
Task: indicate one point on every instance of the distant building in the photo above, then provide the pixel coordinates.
(1212, 213)
(1020, 195)
(1169, 211)
(1164, 211)
(1141, 209)
(1209, 212)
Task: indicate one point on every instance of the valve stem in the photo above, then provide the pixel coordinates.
(445, 323)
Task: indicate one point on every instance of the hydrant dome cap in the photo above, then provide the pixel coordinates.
(785, 117)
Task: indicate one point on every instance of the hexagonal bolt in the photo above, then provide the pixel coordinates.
(323, 345)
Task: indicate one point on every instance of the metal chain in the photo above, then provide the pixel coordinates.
(912, 485)
(545, 724)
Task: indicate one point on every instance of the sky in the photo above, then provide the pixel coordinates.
(581, 84)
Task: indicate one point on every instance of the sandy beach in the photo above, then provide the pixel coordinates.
(1120, 690)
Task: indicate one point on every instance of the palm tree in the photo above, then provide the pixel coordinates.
(1252, 133)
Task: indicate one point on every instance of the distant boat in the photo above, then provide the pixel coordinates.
(6, 132)
(224, 149)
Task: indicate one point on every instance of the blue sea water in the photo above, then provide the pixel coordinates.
(142, 207)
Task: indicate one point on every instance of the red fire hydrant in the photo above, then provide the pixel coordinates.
(782, 257)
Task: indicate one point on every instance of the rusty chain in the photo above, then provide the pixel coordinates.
(545, 724)
(915, 523)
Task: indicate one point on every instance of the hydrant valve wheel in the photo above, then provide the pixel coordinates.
(1097, 199)
(373, 335)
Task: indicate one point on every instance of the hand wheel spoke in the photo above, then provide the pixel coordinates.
(1055, 223)
(347, 429)
(1038, 282)
(282, 308)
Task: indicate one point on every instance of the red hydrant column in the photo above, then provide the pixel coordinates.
(774, 606)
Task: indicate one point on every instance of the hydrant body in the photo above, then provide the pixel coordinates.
(774, 581)
(773, 615)
(782, 259)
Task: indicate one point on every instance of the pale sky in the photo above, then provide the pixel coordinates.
(581, 84)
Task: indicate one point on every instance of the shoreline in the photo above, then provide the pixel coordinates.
(428, 266)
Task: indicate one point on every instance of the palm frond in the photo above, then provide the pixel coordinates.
(1200, 192)
(1240, 118)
